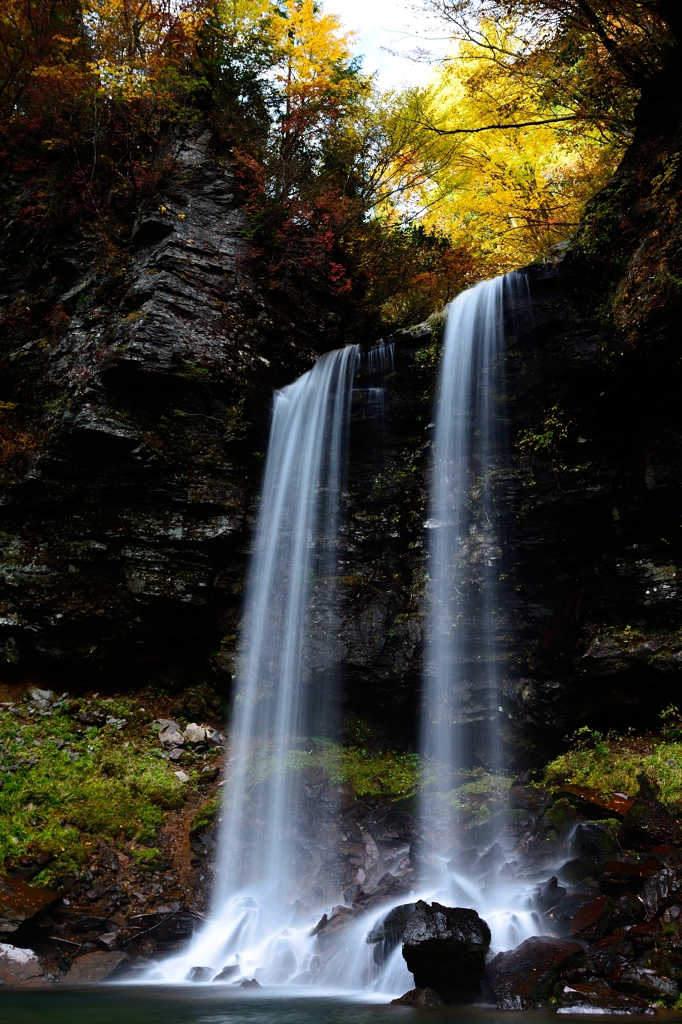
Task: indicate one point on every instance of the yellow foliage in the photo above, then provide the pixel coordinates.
(508, 192)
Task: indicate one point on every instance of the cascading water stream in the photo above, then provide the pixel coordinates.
(281, 700)
(266, 901)
(462, 715)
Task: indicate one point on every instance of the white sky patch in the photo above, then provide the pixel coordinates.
(383, 25)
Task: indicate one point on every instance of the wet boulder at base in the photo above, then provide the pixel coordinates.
(597, 997)
(200, 974)
(645, 982)
(445, 949)
(94, 968)
(521, 978)
(388, 932)
(21, 968)
(425, 997)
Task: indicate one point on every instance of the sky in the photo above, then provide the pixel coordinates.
(389, 24)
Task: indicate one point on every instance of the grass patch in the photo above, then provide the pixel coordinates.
(67, 782)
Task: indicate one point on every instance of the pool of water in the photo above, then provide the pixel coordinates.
(190, 1005)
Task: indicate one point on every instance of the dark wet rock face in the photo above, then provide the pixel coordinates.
(94, 968)
(597, 997)
(19, 902)
(389, 932)
(122, 530)
(526, 976)
(445, 949)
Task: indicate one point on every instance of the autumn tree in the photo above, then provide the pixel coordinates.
(589, 58)
(519, 172)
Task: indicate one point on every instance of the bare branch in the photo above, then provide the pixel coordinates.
(494, 127)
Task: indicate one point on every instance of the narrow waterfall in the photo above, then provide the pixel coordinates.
(281, 698)
(462, 683)
(462, 713)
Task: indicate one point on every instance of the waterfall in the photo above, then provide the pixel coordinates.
(462, 714)
(285, 690)
(461, 685)
(268, 894)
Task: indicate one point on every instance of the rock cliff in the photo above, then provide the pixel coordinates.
(136, 393)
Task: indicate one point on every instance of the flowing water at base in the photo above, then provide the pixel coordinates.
(188, 1005)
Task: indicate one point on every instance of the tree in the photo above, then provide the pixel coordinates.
(521, 171)
(591, 58)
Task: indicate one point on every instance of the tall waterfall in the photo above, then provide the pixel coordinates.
(281, 700)
(267, 896)
(462, 714)
(461, 682)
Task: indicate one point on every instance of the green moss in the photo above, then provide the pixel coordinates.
(149, 859)
(388, 774)
(612, 764)
(87, 782)
(205, 815)
(481, 798)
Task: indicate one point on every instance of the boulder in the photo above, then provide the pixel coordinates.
(445, 949)
(194, 733)
(329, 926)
(644, 982)
(645, 935)
(20, 902)
(21, 968)
(213, 737)
(94, 968)
(42, 698)
(597, 997)
(170, 734)
(228, 972)
(108, 941)
(608, 955)
(557, 920)
(621, 878)
(627, 910)
(648, 823)
(419, 997)
(548, 894)
(590, 845)
(249, 983)
(523, 977)
(387, 889)
(388, 932)
(199, 974)
(659, 890)
(592, 920)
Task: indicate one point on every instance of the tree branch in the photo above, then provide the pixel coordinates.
(493, 127)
